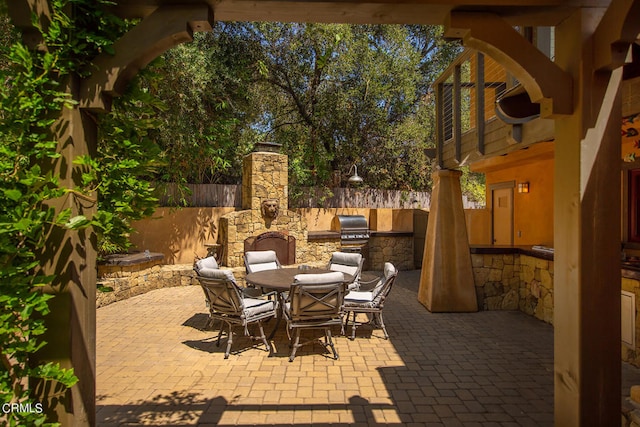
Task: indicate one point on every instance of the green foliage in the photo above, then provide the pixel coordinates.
(335, 95)
(332, 95)
(473, 186)
(124, 168)
(204, 86)
(32, 98)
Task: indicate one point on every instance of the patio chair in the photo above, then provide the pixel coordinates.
(208, 263)
(315, 301)
(227, 304)
(371, 302)
(260, 261)
(204, 267)
(349, 263)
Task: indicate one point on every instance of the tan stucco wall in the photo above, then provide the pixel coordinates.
(533, 211)
(180, 234)
(319, 219)
(478, 226)
(391, 219)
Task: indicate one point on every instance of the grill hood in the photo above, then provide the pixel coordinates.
(347, 223)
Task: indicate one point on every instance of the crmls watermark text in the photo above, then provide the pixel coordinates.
(22, 408)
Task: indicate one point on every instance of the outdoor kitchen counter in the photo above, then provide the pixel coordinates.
(499, 249)
(323, 235)
(326, 235)
(630, 270)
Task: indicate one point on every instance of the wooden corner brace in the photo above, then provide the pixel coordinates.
(166, 27)
(545, 82)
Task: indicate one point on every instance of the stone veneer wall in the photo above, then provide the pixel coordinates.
(264, 177)
(238, 226)
(514, 282)
(536, 287)
(395, 249)
(318, 251)
(127, 284)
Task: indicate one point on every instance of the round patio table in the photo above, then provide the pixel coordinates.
(281, 279)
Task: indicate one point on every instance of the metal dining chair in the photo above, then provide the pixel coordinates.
(255, 261)
(260, 261)
(228, 304)
(349, 263)
(371, 302)
(315, 301)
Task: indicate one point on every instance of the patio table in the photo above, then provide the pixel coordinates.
(281, 279)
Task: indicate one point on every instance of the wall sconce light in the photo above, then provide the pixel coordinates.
(523, 187)
(355, 178)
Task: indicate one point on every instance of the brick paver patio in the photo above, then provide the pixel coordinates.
(156, 366)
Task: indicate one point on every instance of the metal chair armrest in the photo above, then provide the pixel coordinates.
(252, 292)
(368, 285)
(273, 294)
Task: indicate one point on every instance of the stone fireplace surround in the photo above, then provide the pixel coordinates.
(283, 245)
(264, 181)
(265, 178)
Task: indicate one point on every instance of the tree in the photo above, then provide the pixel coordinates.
(205, 88)
(335, 95)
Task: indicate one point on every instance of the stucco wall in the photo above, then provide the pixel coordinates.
(181, 234)
(533, 211)
(478, 226)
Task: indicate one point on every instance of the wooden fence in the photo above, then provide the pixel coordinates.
(216, 195)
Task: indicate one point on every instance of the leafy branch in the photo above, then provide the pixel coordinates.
(32, 98)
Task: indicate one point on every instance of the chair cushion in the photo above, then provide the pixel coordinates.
(260, 257)
(255, 306)
(349, 269)
(261, 260)
(263, 266)
(317, 279)
(346, 258)
(389, 270)
(208, 262)
(218, 274)
(347, 263)
(358, 297)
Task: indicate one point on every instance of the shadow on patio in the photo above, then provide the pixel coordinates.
(155, 366)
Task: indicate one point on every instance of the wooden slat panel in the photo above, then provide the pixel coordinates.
(497, 141)
(457, 112)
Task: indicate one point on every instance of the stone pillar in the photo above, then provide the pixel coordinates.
(587, 348)
(446, 280)
(265, 176)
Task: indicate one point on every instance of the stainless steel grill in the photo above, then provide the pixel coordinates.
(354, 235)
(354, 230)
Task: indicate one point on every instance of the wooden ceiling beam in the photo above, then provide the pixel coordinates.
(545, 82)
(618, 29)
(166, 27)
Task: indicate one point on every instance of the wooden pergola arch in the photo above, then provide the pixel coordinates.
(579, 90)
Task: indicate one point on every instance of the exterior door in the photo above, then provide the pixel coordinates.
(502, 215)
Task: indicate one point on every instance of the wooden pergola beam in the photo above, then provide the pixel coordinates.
(616, 31)
(166, 27)
(545, 82)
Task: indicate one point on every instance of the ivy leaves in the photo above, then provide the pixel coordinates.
(32, 98)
